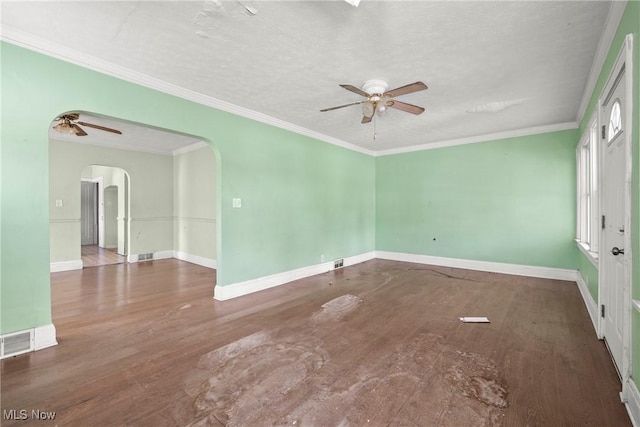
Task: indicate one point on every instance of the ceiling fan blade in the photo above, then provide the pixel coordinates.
(100, 127)
(409, 108)
(366, 119)
(403, 90)
(78, 130)
(356, 90)
(342, 106)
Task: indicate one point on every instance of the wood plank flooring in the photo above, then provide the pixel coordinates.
(375, 344)
(94, 256)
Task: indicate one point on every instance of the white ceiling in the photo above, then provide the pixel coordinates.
(491, 67)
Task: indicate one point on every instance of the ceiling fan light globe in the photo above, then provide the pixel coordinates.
(367, 109)
(65, 127)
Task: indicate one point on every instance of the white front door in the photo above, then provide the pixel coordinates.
(614, 210)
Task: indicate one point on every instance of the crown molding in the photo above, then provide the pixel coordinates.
(480, 138)
(65, 53)
(616, 10)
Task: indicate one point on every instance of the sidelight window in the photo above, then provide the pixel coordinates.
(587, 179)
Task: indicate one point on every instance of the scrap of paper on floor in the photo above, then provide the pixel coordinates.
(474, 320)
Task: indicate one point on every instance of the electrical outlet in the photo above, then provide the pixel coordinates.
(322, 258)
(58, 203)
(237, 203)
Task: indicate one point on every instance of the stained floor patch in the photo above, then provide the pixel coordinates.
(289, 376)
(477, 386)
(337, 308)
(242, 382)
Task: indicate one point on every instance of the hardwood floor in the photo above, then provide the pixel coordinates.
(94, 256)
(375, 344)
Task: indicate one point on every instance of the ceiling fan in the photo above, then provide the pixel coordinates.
(69, 124)
(379, 98)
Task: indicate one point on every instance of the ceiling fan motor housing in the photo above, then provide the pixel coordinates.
(375, 86)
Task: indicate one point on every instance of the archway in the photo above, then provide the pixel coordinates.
(171, 191)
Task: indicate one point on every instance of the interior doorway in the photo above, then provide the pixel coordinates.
(104, 215)
(89, 212)
(173, 208)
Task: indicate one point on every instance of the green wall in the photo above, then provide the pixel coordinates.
(300, 197)
(589, 274)
(300, 200)
(509, 201)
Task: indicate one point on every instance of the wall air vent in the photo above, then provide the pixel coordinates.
(338, 263)
(16, 343)
(145, 257)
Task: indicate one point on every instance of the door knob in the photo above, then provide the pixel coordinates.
(617, 251)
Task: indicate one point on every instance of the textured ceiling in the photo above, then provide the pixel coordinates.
(490, 66)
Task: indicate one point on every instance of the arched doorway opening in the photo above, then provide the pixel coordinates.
(171, 196)
(104, 215)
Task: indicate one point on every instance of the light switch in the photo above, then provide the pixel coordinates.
(58, 203)
(237, 203)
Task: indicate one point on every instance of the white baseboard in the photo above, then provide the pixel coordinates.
(131, 258)
(632, 403)
(44, 336)
(357, 259)
(195, 259)
(494, 267)
(38, 338)
(235, 290)
(592, 306)
(222, 293)
(163, 255)
(55, 267)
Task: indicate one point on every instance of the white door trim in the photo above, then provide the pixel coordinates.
(625, 58)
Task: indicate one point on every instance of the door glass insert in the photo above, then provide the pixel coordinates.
(615, 120)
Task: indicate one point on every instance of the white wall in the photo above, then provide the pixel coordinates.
(172, 199)
(151, 203)
(111, 206)
(195, 203)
